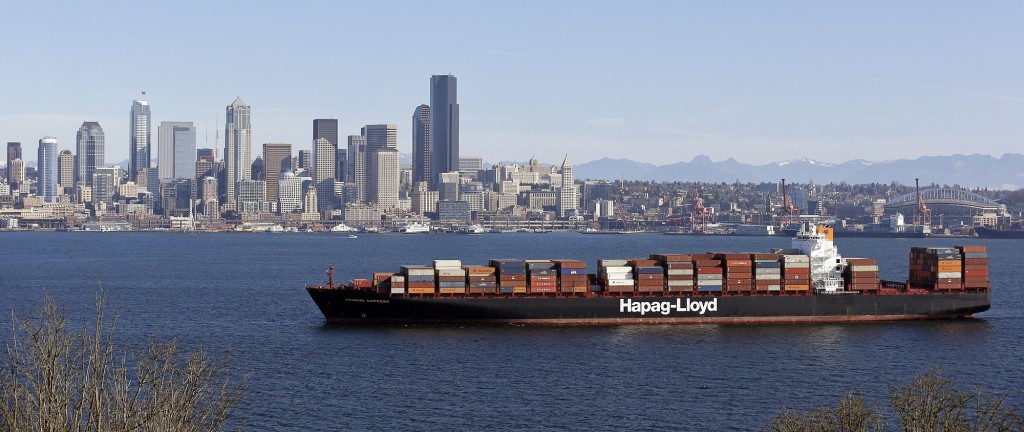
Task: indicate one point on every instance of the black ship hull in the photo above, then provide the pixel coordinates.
(1000, 234)
(350, 306)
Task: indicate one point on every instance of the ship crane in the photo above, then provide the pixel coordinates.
(699, 214)
(922, 214)
(790, 213)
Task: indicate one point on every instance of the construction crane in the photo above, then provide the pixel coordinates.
(698, 214)
(790, 213)
(922, 214)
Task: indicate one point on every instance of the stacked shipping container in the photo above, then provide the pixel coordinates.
(861, 274)
(767, 272)
(975, 266)
(615, 275)
(796, 272)
(542, 276)
(572, 276)
(511, 275)
(481, 279)
(678, 271)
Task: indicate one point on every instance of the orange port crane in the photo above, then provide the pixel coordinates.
(698, 214)
(790, 213)
(922, 214)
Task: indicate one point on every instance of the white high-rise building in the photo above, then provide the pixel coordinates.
(237, 148)
(386, 184)
(324, 158)
(177, 146)
(567, 196)
(139, 157)
(289, 193)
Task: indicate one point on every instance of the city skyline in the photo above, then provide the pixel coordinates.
(759, 83)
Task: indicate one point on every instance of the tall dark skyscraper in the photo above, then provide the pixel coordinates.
(421, 144)
(444, 127)
(326, 128)
(90, 149)
(205, 154)
(140, 155)
(13, 152)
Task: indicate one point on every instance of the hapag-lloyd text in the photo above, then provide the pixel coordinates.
(666, 307)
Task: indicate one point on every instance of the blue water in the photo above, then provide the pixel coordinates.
(242, 294)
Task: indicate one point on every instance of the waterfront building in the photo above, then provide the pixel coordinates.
(567, 196)
(139, 148)
(324, 154)
(444, 127)
(421, 144)
(177, 196)
(423, 199)
(449, 186)
(289, 197)
(66, 169)
(46, 185)
(90, 149)
(277, 158)
(252, 197)
(208, 195)
(237, 149)
(453, 211)
(385, 185)
(13, 152)
(105, 182)
(176, 142)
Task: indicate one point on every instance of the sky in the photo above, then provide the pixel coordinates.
(652, 81)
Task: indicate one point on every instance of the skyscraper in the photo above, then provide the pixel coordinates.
(237, 148)
(177, 145)
(380, 136)
(324, 154)
(277, 157)
(567, 196)
(421, 144)
(90, 149)
(357, 163)
(13, 152)
(305, 159)
(444, 127)
(46, 187)
(66, 169)
(140, 155)
(385, 182)
(326, 128)
(205, 154)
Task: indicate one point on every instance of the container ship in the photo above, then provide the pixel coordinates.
(809, 282)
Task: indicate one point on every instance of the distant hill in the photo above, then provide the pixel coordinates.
(1005, 172)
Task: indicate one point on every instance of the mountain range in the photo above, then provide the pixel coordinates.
(1005, 172)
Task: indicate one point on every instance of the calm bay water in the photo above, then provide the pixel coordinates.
(243, 294)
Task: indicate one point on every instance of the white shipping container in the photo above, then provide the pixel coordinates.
(397, 290)
(618, 276)
(446, 264)
(768, 277)
(451, 272)
(616, 269)
(768, 271)
(774, 287)
(864, 268)
(612, 262)
(672, 283)
(620, 282)
(795, 258)
(397, 278)
(950, 275)
(675, 272)
(709, 277)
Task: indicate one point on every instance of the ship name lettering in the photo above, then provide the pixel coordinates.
(666, 307)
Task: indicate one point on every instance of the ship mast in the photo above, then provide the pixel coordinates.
(922, 214)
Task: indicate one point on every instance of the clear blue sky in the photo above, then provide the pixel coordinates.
(650, 81)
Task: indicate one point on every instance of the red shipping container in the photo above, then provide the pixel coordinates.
(709, 270)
